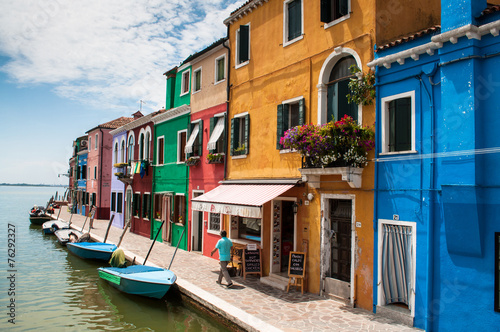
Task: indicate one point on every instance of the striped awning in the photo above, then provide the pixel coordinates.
(244, 200)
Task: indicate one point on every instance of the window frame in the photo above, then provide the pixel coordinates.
(301, 117)
(146, 206)
(237, 63)
(242, 134)
(198, 140)
(130, 147)
(96, 141)
(216, 76)
(185, 80)
(95, 172)
(162, 160)
(115, 152)
(385, 130)
(123, 151)
(220, 145)
(180, 147)
(180, 208)
(136, 205)
(209, 226)
(119, 202)
(196, 71)
(339, 19)
(113, 201)
(286, 23)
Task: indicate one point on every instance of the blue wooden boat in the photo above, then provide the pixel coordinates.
(139, 279)
(49, 227)
(92, 250)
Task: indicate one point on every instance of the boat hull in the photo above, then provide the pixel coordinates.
(39, 220)
(49, 227)
(92, 250)
(139, 280)
(63, 235)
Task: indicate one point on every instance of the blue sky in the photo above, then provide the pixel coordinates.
(67, 66)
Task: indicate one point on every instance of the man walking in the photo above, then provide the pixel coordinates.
(224, 245)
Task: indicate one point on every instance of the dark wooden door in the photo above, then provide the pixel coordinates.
(340, 239)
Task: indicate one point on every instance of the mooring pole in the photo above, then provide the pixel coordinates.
(123, 233)
(107, 230)
(152, 244)
(176, 248)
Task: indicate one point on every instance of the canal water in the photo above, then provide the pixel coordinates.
(44, 287)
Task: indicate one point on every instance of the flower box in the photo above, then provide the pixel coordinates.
(192, 161)
(215, 158)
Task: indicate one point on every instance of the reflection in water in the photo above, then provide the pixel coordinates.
(58, 291)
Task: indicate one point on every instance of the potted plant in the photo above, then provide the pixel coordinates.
(361, 87)
(215, 158)
(240, 149)
(119, 174)
(119, 165)
(192, 161)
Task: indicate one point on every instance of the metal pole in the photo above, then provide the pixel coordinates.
(107, 230)
(152, 244)
(176, 248)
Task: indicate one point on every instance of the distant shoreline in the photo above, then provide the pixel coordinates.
(32, 185)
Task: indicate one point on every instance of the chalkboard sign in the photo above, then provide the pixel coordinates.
(251, 262)
(296, 264)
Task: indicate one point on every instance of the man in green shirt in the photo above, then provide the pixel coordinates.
(224, 245)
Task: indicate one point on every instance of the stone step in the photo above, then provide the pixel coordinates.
(275, 281)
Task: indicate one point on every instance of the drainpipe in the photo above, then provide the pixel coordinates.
(375, 196)
(228, 86)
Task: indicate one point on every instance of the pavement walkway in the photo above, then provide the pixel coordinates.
(249, 304)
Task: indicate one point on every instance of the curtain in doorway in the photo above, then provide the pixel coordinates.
(397, 263)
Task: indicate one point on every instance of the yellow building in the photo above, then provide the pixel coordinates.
(289, 65)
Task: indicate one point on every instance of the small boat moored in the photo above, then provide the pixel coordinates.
(38, 215)
(92, 250)
(66, 235)
(142, 280)
(51, 226)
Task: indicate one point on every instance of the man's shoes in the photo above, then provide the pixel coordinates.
(230, 285)
(218, 282)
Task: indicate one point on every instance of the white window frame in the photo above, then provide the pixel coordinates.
(208, 224)
(90, 143)
(179, 152)
(385, 122)
(241, 132)
(236, 53)
(116, 151)
(340, 19)
(123, 150)
(183, 81)
(129, 136)
(380, 291)
(193, 88)
(95, 172)
(290, 102)
(216, 67)
(158, 150)
(287, 42)
(96, 141)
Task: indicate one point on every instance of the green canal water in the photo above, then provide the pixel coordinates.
(43, 287)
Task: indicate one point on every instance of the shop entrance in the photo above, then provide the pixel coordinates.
(283, 239)
(337, 254)
(197, 227)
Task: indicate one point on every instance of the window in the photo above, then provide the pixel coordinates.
(130, 148)
(181, 146)
(136, 205)
(290, 114)
(197, 80)
(84, 173)
(122, 152)
(94, 199)
(338, 89)
(119, 203)
(180, 209)
(141, 146)
(90, 142)
(113, 201)
(185, 82)
(195, 141)
(157, 206)
(332, 10)
(148, 146)
(95, 172)
(216, 143)
(96, 140)
(240, 135)
(220, 69)
(242, 45)
(146, 205)
(214, 222)
(249, 228)
(398, 123)
(160, 146)
(115, 153)
(292, 21)
(497, 272)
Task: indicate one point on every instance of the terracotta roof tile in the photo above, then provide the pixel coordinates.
(405, 39)
(113, 124)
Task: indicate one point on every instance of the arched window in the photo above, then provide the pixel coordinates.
(338, 89)
(115, 153)
(130, 148)
(148, 144)
(141, 146)
(122, 154)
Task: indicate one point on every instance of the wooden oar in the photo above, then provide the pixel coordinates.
(152, 244)
(107, 230)
(176, 248)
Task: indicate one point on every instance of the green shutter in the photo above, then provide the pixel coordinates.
(244, 43)
(294, 19)
(279, 126)
(247, 133)
(213, 122)
(233, 132)
(224, 145)
(344, 7)
(189, 131)
(200, 137)
(302, 112)
(326, 10)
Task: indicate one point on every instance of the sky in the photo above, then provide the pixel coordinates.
(67, 66)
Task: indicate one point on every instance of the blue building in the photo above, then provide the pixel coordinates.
(437, 192)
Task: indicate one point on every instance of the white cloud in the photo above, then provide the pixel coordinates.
(108, 53)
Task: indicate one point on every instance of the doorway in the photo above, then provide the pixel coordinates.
(283, 236)
(337, 246)
(197, 227)
(166, 204)
(128, 206)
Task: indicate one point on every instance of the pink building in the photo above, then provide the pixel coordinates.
(99, 165)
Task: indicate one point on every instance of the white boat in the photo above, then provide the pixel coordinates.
(63, 235)
(49, 227)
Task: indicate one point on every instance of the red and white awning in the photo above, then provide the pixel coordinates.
(244, 200)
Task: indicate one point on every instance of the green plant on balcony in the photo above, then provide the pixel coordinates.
(215, 158)
(192, 161)
(361, 87)
(335, 144)
(119, 174)
(119, 165)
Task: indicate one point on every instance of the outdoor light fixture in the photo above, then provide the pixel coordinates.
(310, 196)
(295, 207)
